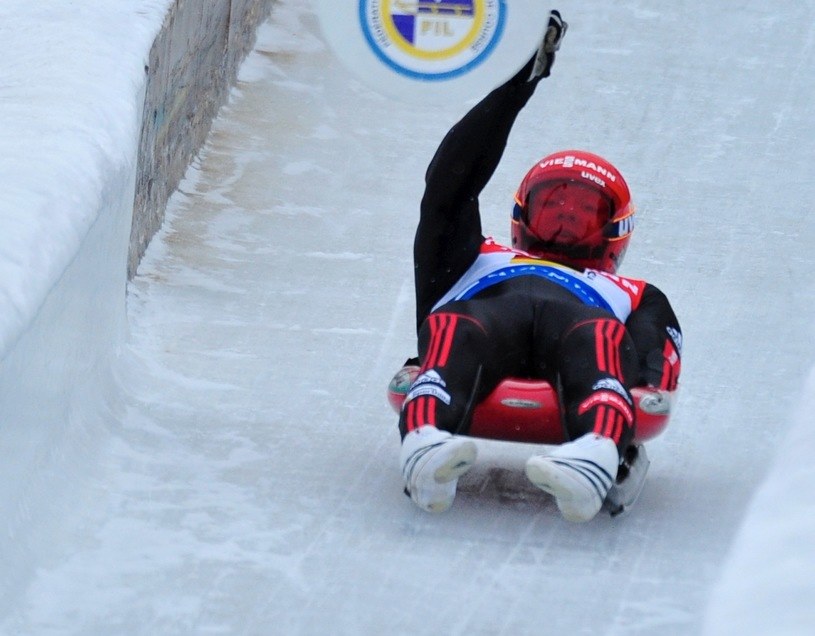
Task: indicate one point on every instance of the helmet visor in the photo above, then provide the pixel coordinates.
(569, 214)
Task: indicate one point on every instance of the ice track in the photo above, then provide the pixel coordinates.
(250, 483)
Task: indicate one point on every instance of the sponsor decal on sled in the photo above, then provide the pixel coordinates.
(519, 403)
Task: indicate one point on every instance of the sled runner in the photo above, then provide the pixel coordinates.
(529, 411)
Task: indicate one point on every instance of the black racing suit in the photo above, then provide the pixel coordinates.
(525, 327)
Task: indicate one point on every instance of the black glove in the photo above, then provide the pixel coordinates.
(545, 57)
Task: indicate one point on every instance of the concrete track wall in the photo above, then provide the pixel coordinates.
(192, 65)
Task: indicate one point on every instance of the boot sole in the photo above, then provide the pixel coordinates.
(570, 492)
(459, 462)
(550, 479)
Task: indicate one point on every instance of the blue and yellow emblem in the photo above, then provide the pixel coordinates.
(432, 39)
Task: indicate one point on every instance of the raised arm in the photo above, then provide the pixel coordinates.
(449, 235)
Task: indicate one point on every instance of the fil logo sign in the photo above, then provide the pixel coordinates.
(432, 39)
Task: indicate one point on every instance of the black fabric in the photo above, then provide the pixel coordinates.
(520, 327)
(525, 327)
(449, 233)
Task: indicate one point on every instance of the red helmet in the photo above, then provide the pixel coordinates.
(573, 207)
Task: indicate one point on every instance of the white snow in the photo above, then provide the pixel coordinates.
(217, 456)
(72, 78)
(766, 587)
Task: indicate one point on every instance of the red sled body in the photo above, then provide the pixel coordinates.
(529, 410)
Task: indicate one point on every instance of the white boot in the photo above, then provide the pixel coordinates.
(431, 462)
(578, 474)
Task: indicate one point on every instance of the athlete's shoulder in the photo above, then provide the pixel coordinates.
(491, 246)
(634, 287)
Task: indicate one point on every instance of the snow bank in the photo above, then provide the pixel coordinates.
(71, 100)
(72, 147)
(71, 111)
(767, 586)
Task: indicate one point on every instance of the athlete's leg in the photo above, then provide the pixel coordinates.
(597, 363)
(451, 346)
(462, 356)
(465, 350)
(594, 357)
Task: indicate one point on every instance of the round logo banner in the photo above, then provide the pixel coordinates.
(433, 50)
(432, 39)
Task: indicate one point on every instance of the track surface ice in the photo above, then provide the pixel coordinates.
(249, 484)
